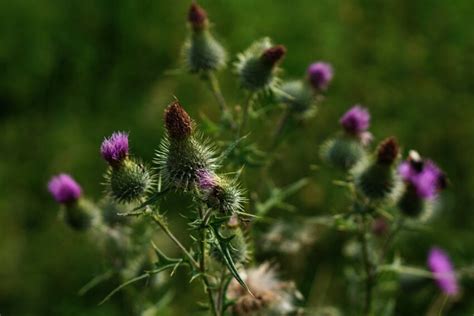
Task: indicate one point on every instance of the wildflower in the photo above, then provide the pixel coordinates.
(127, 179)
(376, 177)
(320, 75)
(182, 154)
(425, 177)
(64, 189)
(78, 213)
(356, 120)
(219, 193)
(423, 181)
(443, 272)
(201, 51)
(271, 295)
(115, 148)
(257, 67)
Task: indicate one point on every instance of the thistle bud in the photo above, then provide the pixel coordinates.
(320, 75)
(273, 55)
(78, 212)
(257, 66)
(197, 17)
(219, 193)
(129, 182)
(423, 181)
(388, 151)
(201, 52)
(298, 97)
(181, 154)
(178, 123)
(376, 178)
(342, 152)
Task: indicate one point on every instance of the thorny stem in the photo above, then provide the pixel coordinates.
(214, 86)
(221, 293)
(398, 227)
(369, 276)
(202, 263)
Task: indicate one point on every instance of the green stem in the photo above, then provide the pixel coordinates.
(159, 221)
(245, 113)
(280, 128)
(369, 277)
(202, 263)
(214, 86)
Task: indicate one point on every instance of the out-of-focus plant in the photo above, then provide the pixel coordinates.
(385, 196)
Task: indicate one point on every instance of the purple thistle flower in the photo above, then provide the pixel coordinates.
(425, 177)
(115, 148)
(443, 272)
(356, 120)
(320, 74)
(64, 189)
(206, 179)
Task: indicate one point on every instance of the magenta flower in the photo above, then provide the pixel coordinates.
(356, 120)
(64, 189)
(320, 74)
(443, 272)
(115, 148)
(206, 179)
(425, 177)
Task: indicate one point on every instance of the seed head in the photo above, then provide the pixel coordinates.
(388, 151)
(178, 122)
(197, 16)
(273, 55)
(115, 148)
(64, 189)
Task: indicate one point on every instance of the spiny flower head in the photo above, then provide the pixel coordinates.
(388, 151)
(273, 55)
(115, 148)
(258, 65)
(206, 179)
(443, 272)
(423, 175)
(197, 16)
(64, 189)
(178, 123)
(320, 75)
(356, 120)
(271, 295)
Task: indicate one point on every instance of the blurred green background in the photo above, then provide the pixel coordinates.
(71, 72)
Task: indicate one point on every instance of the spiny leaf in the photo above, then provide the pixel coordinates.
(223, 244)
(136, 279)
(231, 147)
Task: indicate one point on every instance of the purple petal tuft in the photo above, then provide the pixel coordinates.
(64, 188)
(115, 148)
(440, 264)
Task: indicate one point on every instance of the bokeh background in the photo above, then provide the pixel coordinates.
(71, 72)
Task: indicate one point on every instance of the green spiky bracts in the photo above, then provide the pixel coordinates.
(181, 153)
(376, 177)
(201, 51)
(257, 67)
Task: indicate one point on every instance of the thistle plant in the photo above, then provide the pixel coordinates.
(231, 226)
